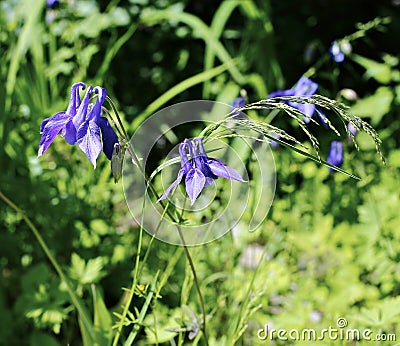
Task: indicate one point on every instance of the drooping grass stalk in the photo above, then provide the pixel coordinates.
(74, 298)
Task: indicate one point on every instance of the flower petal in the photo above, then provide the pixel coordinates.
(305, 87)
(307, 109)
(69, 132)
(172, 186)
(195, 181)
(82, 111)
(88, 139)
(335, 155)
(96, 110)
(220, 169)
(50, 128)
(201, 162)
(108, 136)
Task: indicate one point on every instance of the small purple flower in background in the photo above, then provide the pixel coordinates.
(199, 170)
(335, 155)
(339, 49)
(304, 87)
(81, 124)
(272, 143)
(353, 130)
(335, 52)
(238, 102)
(52, 4)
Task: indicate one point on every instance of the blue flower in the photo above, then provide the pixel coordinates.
(336, 52)
(199, 170)
(52, 3)
(272, 143)
(238, 102)
(353, 130)
(81, 124)
(335, 155)
(304, 87)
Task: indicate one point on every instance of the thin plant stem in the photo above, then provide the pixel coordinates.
(136, 161)
(195, 279)
(132, 290)
(74, 298)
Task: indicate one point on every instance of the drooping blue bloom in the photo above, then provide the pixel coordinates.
(304, 87)
(199, 170)
(336, 52)
(81, 124)
(335, 155)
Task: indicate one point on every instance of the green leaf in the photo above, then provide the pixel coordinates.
(381, 72)
(102, 320)
(86, 273)
(220, 19)
(41, 339)
(374, 106)
(382, 314)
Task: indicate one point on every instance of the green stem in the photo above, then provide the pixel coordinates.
(136, 161)
(132, 290)
(74, 298)
(195, 279)
(196, 282)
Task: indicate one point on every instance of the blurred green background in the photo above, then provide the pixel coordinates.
(332, 243)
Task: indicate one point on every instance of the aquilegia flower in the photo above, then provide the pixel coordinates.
(199, 170)
(81, 124)
(335, 155)
(304, 87)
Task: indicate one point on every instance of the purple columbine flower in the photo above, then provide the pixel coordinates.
(199, 170)
(304, 87)
(336, 52)
(81, 124)
(335, 155)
